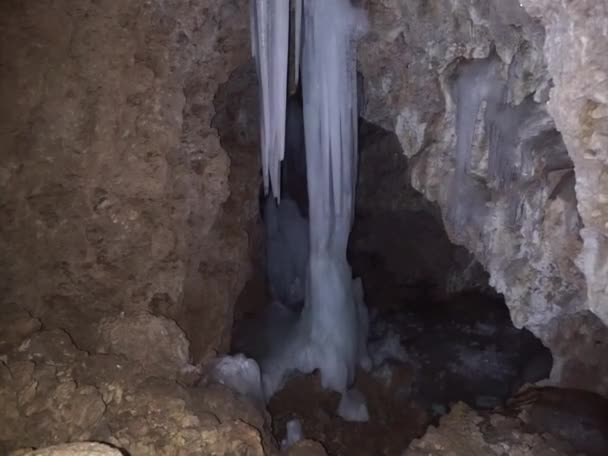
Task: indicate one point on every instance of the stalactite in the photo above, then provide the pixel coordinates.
(329, 86)
(327, 335)
(270, 47)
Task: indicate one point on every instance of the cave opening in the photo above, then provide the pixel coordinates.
(438, 332)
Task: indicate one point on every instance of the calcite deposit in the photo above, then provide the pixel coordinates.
(536, 237)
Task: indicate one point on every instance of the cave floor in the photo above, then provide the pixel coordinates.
(425, 359)
(464, 348)
(393, 422)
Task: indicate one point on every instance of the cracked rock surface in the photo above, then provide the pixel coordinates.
(52, 392)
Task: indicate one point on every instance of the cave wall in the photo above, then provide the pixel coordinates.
(117, 196)
(115, 193)
(576, 50)
(529, 236)
(398, 244)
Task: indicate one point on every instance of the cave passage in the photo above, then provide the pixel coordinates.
(421, 323)
(438, 333)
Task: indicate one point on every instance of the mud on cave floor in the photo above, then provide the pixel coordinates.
(426, 357)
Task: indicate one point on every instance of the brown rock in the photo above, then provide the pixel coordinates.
(71, 449)
(16, 327)
(307, 448)
(155, 342)
(52, 392)
(465, 433)
(113, 183)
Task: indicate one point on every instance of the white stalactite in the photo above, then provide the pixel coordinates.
(270, 47)
(329, 87)
(327, 335)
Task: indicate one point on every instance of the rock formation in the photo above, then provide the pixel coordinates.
(116, 193)
(123, 224)
(128, 202)
(536, 237)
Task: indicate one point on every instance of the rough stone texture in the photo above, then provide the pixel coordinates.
(52, 392)
(464, 433)
(71, 449)
(526, 235)
(22, 325)
(576, 47)
(237, 122)
(115, 194)
(120, 215)
(155, 342)
(306, 448)
(537, 421)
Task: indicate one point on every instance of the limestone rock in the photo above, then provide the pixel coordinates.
(527, 235)
(306, 448)
(159, 416)
(464, 433)
(579, 104)
(22, 326)
(156, 342)
(71, 449)
(52, 392)
(44, 402)
(113, 183)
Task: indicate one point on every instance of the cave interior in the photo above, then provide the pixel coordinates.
(147, 272)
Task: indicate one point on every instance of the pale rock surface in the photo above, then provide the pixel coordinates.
(529, 235)
(575, 48)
